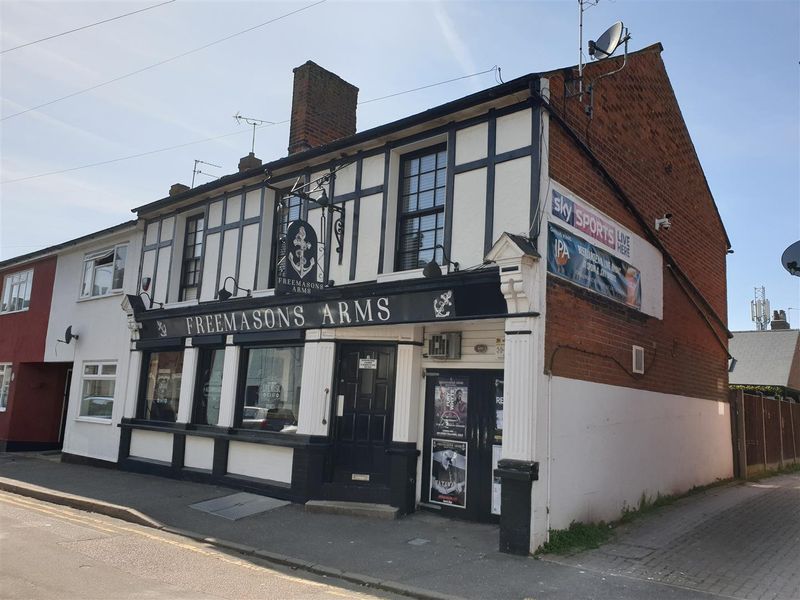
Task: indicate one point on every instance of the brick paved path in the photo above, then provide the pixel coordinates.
(737, 541)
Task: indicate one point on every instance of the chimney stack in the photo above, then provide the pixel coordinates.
(249, 162)
(779, 320)
(178, 188)
(323, 108)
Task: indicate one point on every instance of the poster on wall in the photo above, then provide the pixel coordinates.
(497, 486)
(591, 222)
(498, 411)
(587, 265)
(448, 473)
(450, 408)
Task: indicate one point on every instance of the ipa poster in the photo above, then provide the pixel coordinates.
(450, 408)
(581, 262)
(449, 473)
(497, 486)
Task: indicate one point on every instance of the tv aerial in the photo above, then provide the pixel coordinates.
(606, 45)
(791, 259)
(197, 171)
(254, 123)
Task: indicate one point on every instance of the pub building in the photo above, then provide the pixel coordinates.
(466, 311)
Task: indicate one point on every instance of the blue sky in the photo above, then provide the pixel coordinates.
(733, 65)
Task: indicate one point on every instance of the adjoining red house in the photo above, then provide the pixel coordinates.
(32, 392)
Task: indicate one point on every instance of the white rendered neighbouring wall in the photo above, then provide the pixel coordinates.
(612, 444)
(103, 336)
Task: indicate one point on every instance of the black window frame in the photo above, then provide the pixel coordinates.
(241, 381)
(199, 239)
(435, 209)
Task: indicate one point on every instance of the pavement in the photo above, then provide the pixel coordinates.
(735, 541)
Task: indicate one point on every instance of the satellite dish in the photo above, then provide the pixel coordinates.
(68, 335)
(608, 43)
(791, 259)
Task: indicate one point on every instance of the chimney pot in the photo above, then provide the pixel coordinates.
(323, 108)
(178, 188)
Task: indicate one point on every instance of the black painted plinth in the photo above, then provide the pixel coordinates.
(403, 475)
(308, 470)
(517, 477)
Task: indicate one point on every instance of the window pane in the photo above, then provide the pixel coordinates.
(91, 369)
(86, 289)
(427, 180)
(163, 386)
(272, 389)
(97, 398)
(206, 410)
(409, 203)
(425, 200)
(108, 370)
(5, 382)
(427, 163)
(103, 280)
(119, 267)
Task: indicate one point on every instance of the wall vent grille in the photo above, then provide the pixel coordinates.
(638, 359)
(445, 346)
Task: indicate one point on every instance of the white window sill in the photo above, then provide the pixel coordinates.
(14, 312)
(194, 302)
(97, 420)
(400, 275)
(110, 295)
(263, 293)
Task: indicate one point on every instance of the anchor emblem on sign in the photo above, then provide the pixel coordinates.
(297, 258)
(441, 304)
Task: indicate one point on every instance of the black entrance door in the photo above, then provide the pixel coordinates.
(463, 436)
(362, 416)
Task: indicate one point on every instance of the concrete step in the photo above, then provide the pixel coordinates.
(353, 509)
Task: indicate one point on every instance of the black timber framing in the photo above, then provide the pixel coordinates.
(356, 216)
(537, 130)
(491, 152)
(449, 192)
(384, 208)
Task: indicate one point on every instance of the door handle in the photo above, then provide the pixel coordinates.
(327, 407)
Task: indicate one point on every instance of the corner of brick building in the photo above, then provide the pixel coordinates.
(639, 136)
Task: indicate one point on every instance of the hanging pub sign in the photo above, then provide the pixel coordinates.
(448, 473)
(450, 408)
(585, 264)
(298, 270)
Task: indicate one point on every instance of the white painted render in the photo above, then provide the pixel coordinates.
(612, 444)
(103, 336)
(372, 171)
(273, 463)
(472, 143)
(151, 445)
(513, 131)
(199, 452)
(469, 218)
(512, 197)
(368, 243)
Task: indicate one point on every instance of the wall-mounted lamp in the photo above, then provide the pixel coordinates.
(150, 298)
(433, 270)
(224, 294)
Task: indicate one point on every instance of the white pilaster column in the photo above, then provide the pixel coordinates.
(407, 394)
(521, 379)
(316, 384)
(230, 373)
(132, 388)
(188, 378)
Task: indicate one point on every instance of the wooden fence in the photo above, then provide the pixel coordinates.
(766, 433)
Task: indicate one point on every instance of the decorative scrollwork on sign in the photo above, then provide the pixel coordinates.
(338, 232)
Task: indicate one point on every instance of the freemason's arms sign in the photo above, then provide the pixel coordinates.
(298, 270)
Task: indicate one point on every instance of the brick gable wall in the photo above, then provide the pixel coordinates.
(638, 134)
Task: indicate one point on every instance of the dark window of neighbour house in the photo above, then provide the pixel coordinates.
(209, 387)
(423, 178)
(289, 208)
(163, 386)
(192, 257)
(270, 393)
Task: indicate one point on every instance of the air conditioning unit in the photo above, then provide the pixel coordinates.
(445, 346)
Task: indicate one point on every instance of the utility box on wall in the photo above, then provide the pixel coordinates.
(445, 346)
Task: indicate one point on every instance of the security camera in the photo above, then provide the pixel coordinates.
(664, 222)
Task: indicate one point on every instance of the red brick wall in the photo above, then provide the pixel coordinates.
(35, 403)
(638, 134)
(22, 334)
(323, 108)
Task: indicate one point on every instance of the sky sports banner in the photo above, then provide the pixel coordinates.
(583, 263)
(590, 222)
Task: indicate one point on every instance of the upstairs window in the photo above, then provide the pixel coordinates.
(192, 257)
(103, 272)
(423, 179)
(17, 291)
